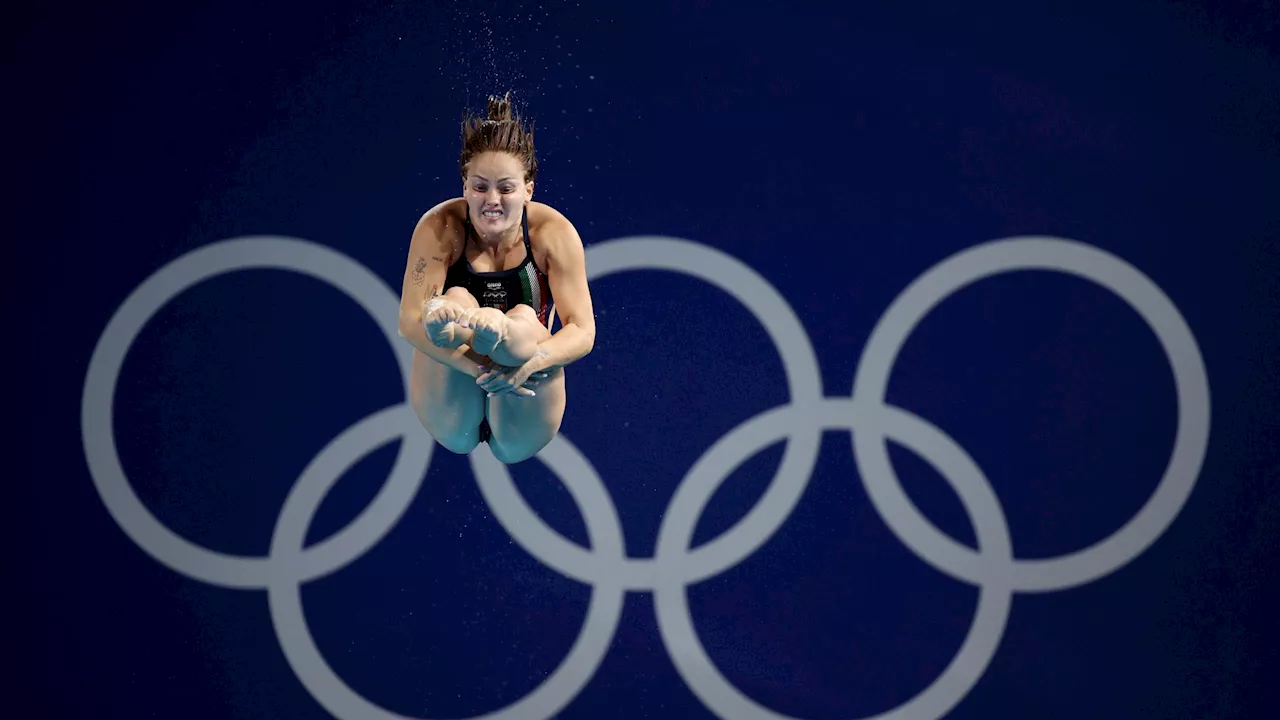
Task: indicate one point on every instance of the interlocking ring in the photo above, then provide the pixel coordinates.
(604, 565)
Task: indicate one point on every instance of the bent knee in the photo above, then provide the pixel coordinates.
(537, 332)
(461, 295)
(523, 311)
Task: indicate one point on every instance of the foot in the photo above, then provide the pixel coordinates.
(443, 321)
(489, 329)
(509, 340)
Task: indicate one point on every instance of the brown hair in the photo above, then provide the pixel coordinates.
(502, 131)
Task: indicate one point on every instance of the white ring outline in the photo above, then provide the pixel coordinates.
(675, 622)
(1156, 309)
(604, 608)
(97, 409)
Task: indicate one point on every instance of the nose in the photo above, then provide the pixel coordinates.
(492, 197)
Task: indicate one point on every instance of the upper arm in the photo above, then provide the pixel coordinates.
(567, 275)
(429, 253)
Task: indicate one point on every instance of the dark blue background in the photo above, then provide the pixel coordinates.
(839, 151)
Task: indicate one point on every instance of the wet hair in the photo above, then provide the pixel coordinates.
(501, 131)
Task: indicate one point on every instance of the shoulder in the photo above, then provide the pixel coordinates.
(551, 231)
(445, 217)
(444, 224)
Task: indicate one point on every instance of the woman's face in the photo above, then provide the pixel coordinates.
(496, 193)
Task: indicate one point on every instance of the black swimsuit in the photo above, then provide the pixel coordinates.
(524, 284)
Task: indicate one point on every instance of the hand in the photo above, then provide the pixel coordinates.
(519, 381)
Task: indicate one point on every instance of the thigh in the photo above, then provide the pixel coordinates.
(524, 425)
(449, 404)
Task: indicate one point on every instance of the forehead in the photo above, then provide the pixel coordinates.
(495, 165)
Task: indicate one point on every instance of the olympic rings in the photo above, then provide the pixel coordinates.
(993, 566)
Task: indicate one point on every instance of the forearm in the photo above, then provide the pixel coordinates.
(570, 344)
(461, 358)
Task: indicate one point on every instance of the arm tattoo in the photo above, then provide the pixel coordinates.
(419, 271)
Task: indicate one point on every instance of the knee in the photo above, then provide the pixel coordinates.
(462, 296)
(523, 312)
(534, 332)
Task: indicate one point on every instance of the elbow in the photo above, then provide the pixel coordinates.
(406, 326)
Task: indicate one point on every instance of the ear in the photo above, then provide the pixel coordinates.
(528, 192)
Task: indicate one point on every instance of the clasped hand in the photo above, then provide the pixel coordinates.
(520, 381)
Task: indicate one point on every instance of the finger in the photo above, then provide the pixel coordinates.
(502, 384)
(516, 391)
(495, 383)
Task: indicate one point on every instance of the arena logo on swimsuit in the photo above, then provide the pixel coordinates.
(603, 563)
(495, 296)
